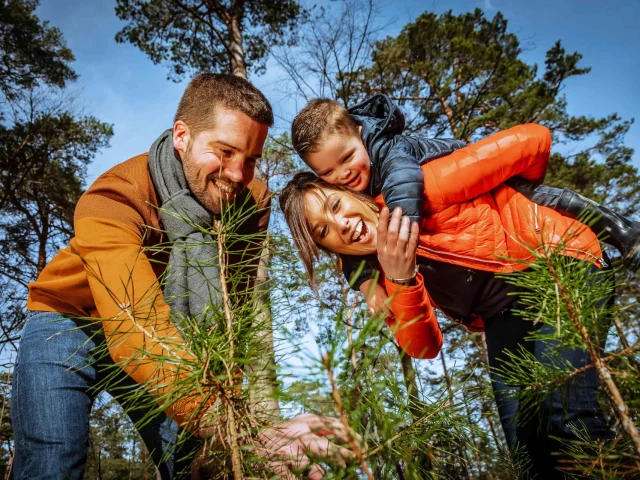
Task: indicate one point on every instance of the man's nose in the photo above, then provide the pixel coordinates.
(233, 169)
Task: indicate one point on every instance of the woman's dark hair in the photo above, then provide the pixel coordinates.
(293, 207)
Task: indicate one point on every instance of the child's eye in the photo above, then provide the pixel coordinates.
(323, 232)
(335, 206)
(326, 174)
(347, 158)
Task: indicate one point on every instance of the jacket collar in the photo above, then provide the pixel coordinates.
(378, 116)
(380, 119)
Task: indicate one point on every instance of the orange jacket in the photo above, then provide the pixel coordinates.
(473, 220)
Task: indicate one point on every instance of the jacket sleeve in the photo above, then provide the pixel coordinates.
(403, 179)
(414, 325)
(135, 318)
(479, 168)
(434, 148)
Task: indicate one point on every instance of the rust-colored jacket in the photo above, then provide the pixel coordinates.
(473, 220)
(114, 261)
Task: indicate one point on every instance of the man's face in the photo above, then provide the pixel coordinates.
(341, 160)
(220, 161)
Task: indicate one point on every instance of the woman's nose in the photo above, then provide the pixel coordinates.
(344, 224)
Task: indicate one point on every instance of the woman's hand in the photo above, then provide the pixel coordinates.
(397, 244)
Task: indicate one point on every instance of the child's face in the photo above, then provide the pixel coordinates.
(341, 160)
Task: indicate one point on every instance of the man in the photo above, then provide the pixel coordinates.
(111, 271)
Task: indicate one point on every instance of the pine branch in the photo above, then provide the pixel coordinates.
(236, 456)
(563, 378)
(353, 443)
(620, 407)
(404, 431)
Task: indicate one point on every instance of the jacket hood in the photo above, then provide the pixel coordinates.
(378, 116)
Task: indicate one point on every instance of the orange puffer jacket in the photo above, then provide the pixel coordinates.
(472, 219)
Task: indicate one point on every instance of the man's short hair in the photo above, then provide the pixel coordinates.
(208, 91)
(318, 119)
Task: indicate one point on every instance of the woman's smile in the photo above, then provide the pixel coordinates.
(361, 233)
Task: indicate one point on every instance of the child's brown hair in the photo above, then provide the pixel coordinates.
(319, 118)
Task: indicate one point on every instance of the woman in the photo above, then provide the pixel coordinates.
(473, 226)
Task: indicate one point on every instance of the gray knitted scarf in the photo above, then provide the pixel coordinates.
(193, 275)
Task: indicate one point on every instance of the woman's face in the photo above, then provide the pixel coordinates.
(340, 222)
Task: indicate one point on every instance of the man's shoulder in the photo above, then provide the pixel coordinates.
(132, 174)
(125, 191)
(259, 191)
(134, 170)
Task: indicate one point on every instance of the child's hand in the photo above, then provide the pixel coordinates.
(376, 296)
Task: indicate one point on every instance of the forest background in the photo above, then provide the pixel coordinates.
(110, 102)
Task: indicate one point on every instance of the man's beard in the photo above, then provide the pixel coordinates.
(199, 185)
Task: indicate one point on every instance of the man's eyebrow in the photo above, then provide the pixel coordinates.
(233, 147)
(220, 142)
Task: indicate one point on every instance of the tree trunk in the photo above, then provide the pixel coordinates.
(42, 246)
(262, 392)
(410, 382)
(447, 379)
(263, 389)
(238, 64)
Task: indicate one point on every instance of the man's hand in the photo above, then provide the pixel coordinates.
(291, 447)
(376, 296)
(293, 444)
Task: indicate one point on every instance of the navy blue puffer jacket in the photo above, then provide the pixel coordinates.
(396, 157)
(395, 167)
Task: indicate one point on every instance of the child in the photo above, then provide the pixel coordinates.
(365, 150)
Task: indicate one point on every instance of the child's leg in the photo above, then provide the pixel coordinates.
(617, 230)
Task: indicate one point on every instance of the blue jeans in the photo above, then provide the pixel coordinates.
(54, 386)
(573, 404)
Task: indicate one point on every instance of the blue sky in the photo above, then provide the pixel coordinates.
(120, 85)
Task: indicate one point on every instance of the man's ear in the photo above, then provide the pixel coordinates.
(181, 137)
